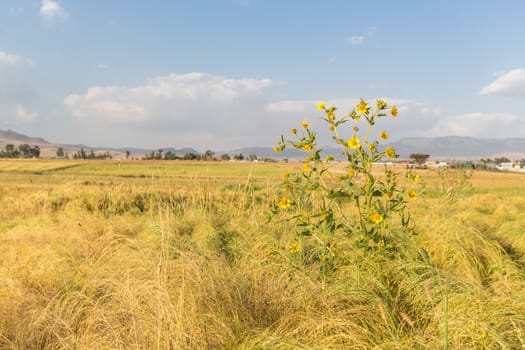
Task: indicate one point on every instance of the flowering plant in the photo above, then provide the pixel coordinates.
(355, 201)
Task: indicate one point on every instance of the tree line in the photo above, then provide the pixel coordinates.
(208, 155)
(22, 151)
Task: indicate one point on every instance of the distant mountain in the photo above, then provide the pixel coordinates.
(48, 149)
(447, 148)
(16, 137)
(459, 147)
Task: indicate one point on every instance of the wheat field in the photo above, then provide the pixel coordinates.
(180, 255)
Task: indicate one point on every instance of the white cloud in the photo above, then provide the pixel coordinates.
(356, 40)
(7, 58)
(24, 115)
(511, 83)
(51, 10)
(103, 66)
(478, 124)
(181, 105)
(173, 96)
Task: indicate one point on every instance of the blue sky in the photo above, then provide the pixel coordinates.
(224, 74)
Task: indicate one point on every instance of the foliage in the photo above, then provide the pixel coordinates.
(419, 158)
(22, 151)
(330, 207)
(82, 154)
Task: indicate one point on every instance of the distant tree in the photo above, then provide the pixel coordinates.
(60, 152)
(252, 157)
(238, 156)
(170, 155)
(419, 158)
(25, 151)
(191, 156)
(225, 157)
(35, 152)
(502, 160)
(127, 154)
(208, 155)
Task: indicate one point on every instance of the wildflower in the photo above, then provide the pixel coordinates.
(307, 147)
(393, 111)
(376, 218)
(383, 135)
(295, 248)
(390, 153)
(286, 175)
(381, 104)
(276, 149)
(285, 203)
(321, 106)
(293, 131)
(355, 128)
(388, 195)
(363, 107)
(331, 128)
(306, 167)
(305, 124)
(415, 178)
(372, 147)
(353, 142)
(351, 173)
(412, 194)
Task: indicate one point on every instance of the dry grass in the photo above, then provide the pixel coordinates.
(110, 261)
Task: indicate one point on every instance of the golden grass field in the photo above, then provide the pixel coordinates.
(179, 255)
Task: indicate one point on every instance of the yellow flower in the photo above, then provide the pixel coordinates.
(384, 135)
(321, 106)
(276, 149)
(306, 167)
(305, 124)
(295, 248)
(393, 111)
(363, 107)
(353, 142)
(285, 203)
(416, 178)
(390, 153)
(381, 104)
(351, 173)
(355, 128)
(331, 128)
(372, 147)
(376, 218)
(412, 194)
(307, 148)
(388, 195)
(286, 175)
(293, 131)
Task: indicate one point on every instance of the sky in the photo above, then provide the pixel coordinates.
(226, 74)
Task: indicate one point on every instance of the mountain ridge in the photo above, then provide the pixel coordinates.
(444, 147)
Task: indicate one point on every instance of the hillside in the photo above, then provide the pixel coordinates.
(449, 148)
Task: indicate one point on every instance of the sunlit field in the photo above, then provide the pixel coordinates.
(182, 255)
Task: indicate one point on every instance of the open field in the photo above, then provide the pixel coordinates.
(179, 255)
